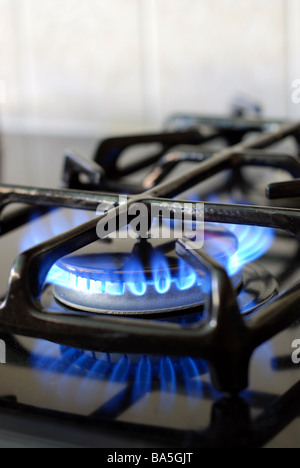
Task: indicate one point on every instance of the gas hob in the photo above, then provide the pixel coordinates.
(139, 337)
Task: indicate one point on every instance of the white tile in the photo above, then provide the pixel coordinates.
(115, 64)
(212, 50)
(9, 66)
(84, 59)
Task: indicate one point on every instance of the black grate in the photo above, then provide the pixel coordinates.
(225, 340)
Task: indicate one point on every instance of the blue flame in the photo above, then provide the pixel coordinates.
(121, 370)
(168, 383)
(142, 383)
(187, 277)
(254, 242)
(41, 229)
(114, 288)
(190, 373)
(168, 376)
(161, 273)
(100, 367)
(135, 277)
(123, 379)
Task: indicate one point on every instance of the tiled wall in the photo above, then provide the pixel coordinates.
(216, 49)
(101, 66)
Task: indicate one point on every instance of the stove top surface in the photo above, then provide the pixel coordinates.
(53, 394)
(147, 401)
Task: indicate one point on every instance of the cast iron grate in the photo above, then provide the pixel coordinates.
(225, 339)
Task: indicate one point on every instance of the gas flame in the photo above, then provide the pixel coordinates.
(253, 242)
(99, 374)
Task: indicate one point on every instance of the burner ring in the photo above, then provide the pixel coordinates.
(254, 287)
(118, 297)
(136, 278)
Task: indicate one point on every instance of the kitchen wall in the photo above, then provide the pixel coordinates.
(93, 68)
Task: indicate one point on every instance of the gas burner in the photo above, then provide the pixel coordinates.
(152, 280)
(120, 285)
(143, 279)
(222, 281)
